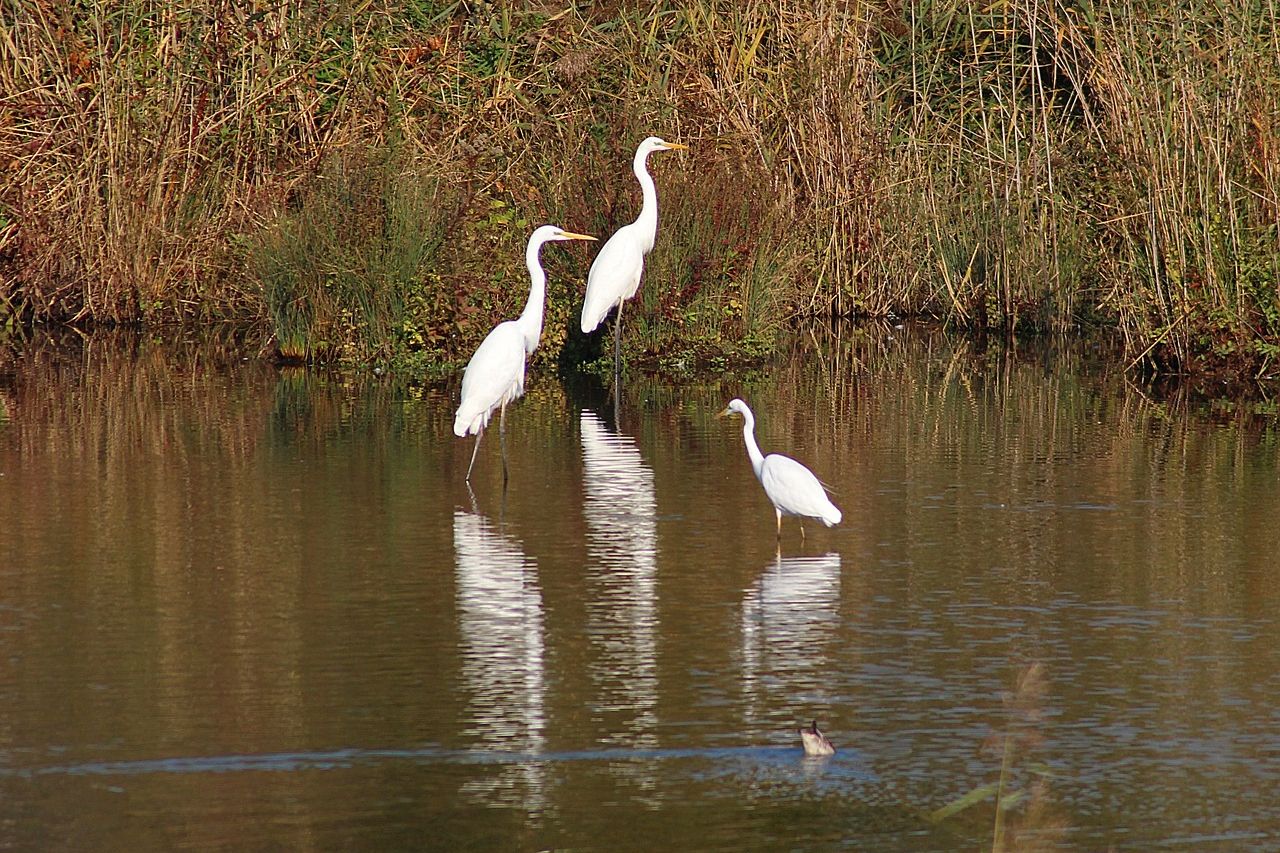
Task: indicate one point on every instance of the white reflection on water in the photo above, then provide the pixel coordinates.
(500, 620)
(622, 541)
(789, 616)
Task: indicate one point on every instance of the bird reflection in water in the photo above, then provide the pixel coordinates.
(790, 616)
(500, 622)
(622, 541)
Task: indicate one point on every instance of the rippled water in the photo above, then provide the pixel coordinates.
(247, 609)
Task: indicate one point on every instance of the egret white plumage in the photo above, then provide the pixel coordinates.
(790, 486)
(495, 375)
(615, 273)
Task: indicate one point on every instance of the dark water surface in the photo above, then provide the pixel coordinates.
(250, 609)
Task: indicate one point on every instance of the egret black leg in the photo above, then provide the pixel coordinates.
(617, 344)
(474, 451)
(617, 403)
(502, 436)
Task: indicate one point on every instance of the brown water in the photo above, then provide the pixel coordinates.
(247, 609)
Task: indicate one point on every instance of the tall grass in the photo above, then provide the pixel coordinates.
(994, 126)
(1193, 115)
(339, 269)
(725, 277)
(139, 137)
(1022, 165)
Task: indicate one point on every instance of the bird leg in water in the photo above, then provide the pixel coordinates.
(617, 343)
(474, 451)
(502, 438)
(617, 403)
(779, 514)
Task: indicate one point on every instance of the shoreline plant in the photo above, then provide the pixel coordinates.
(1021, 167)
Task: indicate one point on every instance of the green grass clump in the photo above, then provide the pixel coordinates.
(342, 269)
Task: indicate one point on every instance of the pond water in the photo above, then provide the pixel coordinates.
(245, 608)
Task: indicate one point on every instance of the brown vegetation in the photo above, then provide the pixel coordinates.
(1020, 165)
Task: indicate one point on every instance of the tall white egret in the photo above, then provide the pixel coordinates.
(495, 375)
(792, 488)
(615, 273)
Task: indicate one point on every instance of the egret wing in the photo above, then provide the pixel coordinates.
(494, 376)
(614, 276)
(795, 490)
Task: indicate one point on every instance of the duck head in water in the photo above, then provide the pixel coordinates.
(815, 742)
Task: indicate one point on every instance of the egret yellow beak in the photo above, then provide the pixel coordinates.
(725, 413)
(569, 235)
(675, 146)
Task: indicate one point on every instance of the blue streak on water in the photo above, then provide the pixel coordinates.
(846, 764)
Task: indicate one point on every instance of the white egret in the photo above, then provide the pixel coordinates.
(615, 273)
(495, 375)
(792, 488)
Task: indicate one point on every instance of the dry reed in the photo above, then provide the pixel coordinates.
(1029, 165)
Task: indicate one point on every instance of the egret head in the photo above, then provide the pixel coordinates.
(548, 233)
(735, 406)
(654, 143)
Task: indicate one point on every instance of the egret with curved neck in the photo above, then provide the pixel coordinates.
(495, 375)
(615, 274)
(789, 485)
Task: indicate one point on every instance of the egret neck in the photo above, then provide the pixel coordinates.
(530, 321)
(647, 221)
(749, 436)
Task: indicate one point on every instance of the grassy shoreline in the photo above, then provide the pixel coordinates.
(360, 178)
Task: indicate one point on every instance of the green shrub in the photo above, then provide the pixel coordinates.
(342, 268)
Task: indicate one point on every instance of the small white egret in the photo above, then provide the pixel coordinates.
(792, 488)
(615, 273)
(495, 375)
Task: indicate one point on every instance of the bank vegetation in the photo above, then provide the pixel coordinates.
(358, 177)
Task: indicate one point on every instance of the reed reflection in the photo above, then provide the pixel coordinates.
(789, 617)
(500, 620)
(622, 540)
